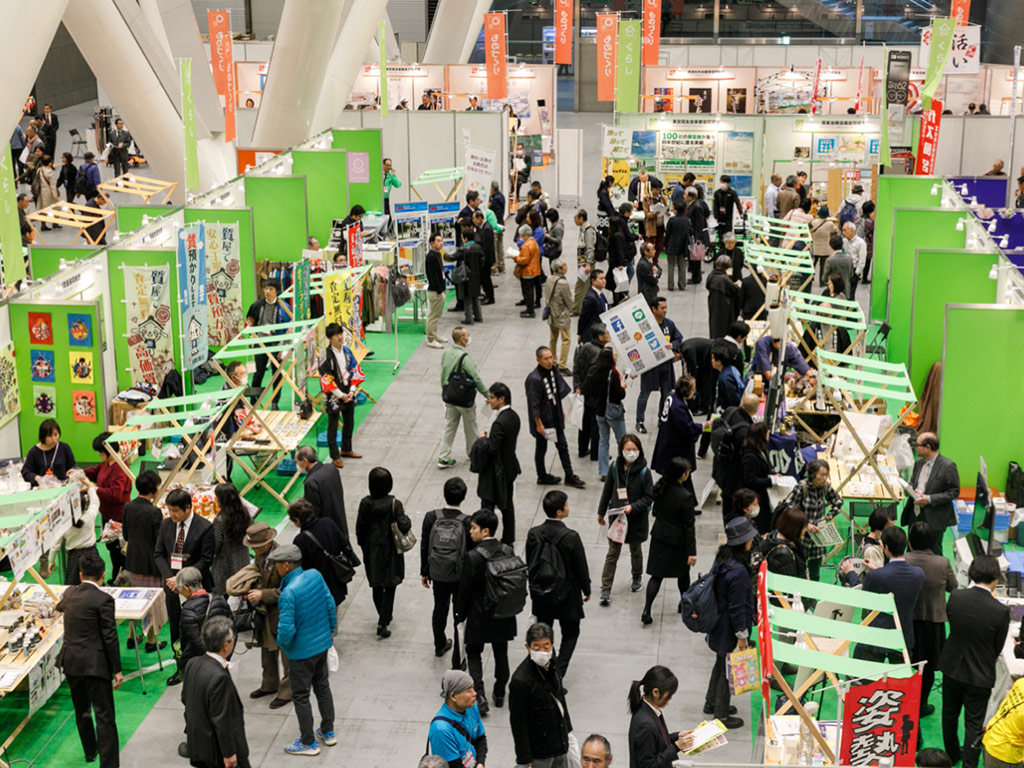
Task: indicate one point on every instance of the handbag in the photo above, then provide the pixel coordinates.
(459, 274)
(613, 411)
(621, 277)
(460, 390)
(618, 528)
(697, 252)
(341, 568)
(403, 541)
(743, 671)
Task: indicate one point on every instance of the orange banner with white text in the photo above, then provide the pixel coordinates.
(607, 38)
(222, 61)
(495, 55)
(652, 32)
(563, 31)
(961, 11)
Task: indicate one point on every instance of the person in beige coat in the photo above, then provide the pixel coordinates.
(48, 193)
(259, 537)
(559, 300)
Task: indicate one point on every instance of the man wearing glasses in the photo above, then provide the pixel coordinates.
(936, 485)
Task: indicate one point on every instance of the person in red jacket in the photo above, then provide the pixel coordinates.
(114, 489)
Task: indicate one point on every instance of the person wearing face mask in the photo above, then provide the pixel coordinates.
(745, 503)
(651, 744)
(782, 549)
(674, 536)
(538, 713)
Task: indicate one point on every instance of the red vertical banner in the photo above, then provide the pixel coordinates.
(652, 32)
(764, 632)
(928, 142)
(222, 61)
(607, 39)
(814, 92)
(880, 721)
(961, 11)
(563, 31)
(496, 55)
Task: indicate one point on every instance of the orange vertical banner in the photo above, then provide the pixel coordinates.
(652, 32)
(496, 56)
(607, 38)
(961, 11)
(563, 31)
(222, 60)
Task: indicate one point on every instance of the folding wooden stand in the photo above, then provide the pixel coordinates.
(130, 184)
(782, 263)
(438, 175)
(74, 216)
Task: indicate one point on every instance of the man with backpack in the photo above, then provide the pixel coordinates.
(727, 434)
(491, 593)
(460, 382)
(559, 577)
(88, 179)
(443, 544)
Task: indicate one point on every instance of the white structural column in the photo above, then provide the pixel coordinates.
(179, 25)
(348, 56)
(151, 10)
(305, 39)
(454, 31)
(393, 51)
(114, 56)
(27, 49)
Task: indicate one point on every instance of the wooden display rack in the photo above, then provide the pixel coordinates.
(438, 175)
(74, 216)
(130, 184)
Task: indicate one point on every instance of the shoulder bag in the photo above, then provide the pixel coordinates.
(341, 569)
(460, 389)
(613, 411)
(403, 541)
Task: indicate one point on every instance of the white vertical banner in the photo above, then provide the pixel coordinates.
(480, 171)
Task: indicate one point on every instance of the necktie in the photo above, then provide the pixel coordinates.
(604, 302)
(179, 544)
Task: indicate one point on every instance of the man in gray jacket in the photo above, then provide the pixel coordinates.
(586, 252)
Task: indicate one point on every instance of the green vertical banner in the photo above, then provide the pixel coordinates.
(188, 117)
(382, 30)
(940, 40)
(10, 226)
(627, 67)
(303, 288)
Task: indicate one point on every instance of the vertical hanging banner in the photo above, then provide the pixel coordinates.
(222, 61)
(496, 56)
(880, 721)
(607, 38)
(764, 633)
(627, 70)
(894, 105)
(563, 31)
(961, 12)
(223, 281)
(192, 292)
(942, 31)
(303, 289)
(354, 241)
(188, 118)
(10, 224)
(814, 90)
(860, 74)
(480, 171)
(652, 32)
(149, 332)
(928, 143)
(382, 31)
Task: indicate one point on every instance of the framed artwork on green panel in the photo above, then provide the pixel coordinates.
(279, 216)
(363, 145)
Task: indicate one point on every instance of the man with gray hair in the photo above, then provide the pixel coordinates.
(596, 752)
(732, 249)
(460, 381)
(199, 606)
(323, 488)
(457, 733)
(857, 250)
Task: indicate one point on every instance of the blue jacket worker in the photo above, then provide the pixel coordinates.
(457, 732)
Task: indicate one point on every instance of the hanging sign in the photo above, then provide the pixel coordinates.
(894, 123)
(338, 301)
(636, 335)
(627, 70)
(937, 42)
(495, 54)
(563, 31)
(964, 57)
(814, 90)
(607, 38)
(480, 171)
(149, 333)
(354, 241)
(188, 117)
(192, 289)
(652, 31)
(880, 720)
(961, 12)
(382, 31)
(303, 288)
(764, 632)
(928, 143)
(223, 281)
(222, 61)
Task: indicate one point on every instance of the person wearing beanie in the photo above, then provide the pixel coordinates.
(457, 732)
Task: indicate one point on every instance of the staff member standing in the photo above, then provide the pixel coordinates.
(266, 311)
(340, 365)
(120, 140)
(114, 489)
(90, 658)
(936, 483)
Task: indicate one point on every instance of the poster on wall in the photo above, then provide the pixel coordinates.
(79, 330)
(617, 142)
(192, 289)
(619, 171)
(700, 100)
(442, 218)
(636, 336)
(480, 171)
(10, 400)
(40, 328)
(644, 144)
(964, 52)
(223, 282)
(880, 720)
(80, 366)
(411, 224)
(663, 99)
(739, 152)
(845, 148)
(688, 150)
(43, 368)
(148, 312)
(44, 401)
(736, 100)
(358, 165)
(84, 405)
(743, 184)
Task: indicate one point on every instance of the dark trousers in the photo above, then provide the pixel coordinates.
(311, 674)
(347, 416)
(257, 377)
(570, 629)
(508, 514)
(695, 268)
(119, 157)
(854, 281)
(71, 573)
(973, 700)
(445, 593)
(588, 433)
(116, 558)
(173, 603)
(526, 283)
(541, 448)
(475, 663)
(717, 696)
(486, 284)
(95, 696)
(665, 384)
(384, 602)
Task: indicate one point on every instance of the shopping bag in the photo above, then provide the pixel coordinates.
(617, 529)
(576, 410)
(697, 252)
(621, 278)
(743, 671)
(332, 659)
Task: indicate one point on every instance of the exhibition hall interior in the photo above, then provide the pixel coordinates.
(389, 324)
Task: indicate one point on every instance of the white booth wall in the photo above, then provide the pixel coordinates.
(528, 87)
(404, 81)
(779, 55)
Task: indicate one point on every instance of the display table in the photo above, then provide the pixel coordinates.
(865, 485)
(74, 216)
(130, 184)
(287, 430)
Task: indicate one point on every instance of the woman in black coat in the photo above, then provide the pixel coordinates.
(673, 547)
(756, 472)
(385, 565)
(651, 744)
(695, 212)
(782, 548)
(605, 207)
(723, 298)
(677, 431)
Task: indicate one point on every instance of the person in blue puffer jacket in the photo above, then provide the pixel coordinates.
(307, 620)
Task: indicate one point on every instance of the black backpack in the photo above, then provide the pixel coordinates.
(505, 583)
(460, 389)
(83, 186)
(600, 247)
(723, 439)
(699, 605)
(549, 580)
(446, 548)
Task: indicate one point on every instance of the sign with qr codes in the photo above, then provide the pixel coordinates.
(636, 336)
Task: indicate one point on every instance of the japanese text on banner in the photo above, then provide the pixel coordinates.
(188, 117)
(222, 61)
(563, 31)
(192, 288)
(479, 171)
(607, 37)
(223, 281)
(940, 41)
(880, 721)
(627, 74)
(149, 330)
(928, 144)
(652, 32)
(495, 55)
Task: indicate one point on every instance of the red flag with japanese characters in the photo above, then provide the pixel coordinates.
(928, 142)
(764, 632)
(563, 31)
(607, 39)
(880, 721)
(652, 32)
(495, 55)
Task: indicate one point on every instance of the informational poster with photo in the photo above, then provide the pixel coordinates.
(442, 220)
(739, 152)
(690, 151)
(410, 223)
(636, 336)
(841, 147)
(645, 144)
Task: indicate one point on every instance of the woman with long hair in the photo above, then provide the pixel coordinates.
(605, 206)
(756, 471)
(651, 744)
(385, 565)
(604, 387)
(782, 548)
(673, 547)
(230, 555)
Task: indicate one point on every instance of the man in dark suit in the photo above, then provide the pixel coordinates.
(901, 579)
(499, 466)
(90, 658)
(978, 624)
(594, 305)
(340, 364)
(323, 487)
(267, 311)
(49, 125)
(485, 239)
(185, 540)
(662, 377)
(120, 140)
(215, 721)
(545, 389)
(936, 484)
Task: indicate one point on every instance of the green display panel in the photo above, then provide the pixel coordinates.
(45, 260)
(370, 194)
(326, 175)
(129, 217)
(982, 348)
(893, 191)
(914, 228)
(118, 258)
(942, 277)
(280, 226)
(77, 434)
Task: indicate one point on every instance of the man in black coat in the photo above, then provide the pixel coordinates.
(752, 297)
(594, 305)
(583, 361)
(725, 468)
(661, 378)
(563, 598)
(185, 540)
(91, 660)
(323, 487)
(496, 462)
(978, 624)
(214, 717)
(485, 239)
(696, 353)
(545, 389)
(538, 712)
(936, 483)
(49, 127)
(472, 254)
(471, 606)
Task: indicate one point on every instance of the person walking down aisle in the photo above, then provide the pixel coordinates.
(586, 256)
(307, 620)
(497, 465)
(661, 378)
(604, 387)
(559, 576)
(559, 300)
(322, 487)
(677, 432)
(456, 732)
(460, 381)
(537, 710)
(583, 363)
(545, 389)
(528, 269)
(651, 744)
(594, 305)
(435, 290)
(91, 661)
(673, 548)
(630, 483)
(384, 564)
(264, 596)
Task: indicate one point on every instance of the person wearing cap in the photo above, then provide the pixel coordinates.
(306, 623)
(92, 175)
(457, 733)
(733, 589)
(259, 537)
